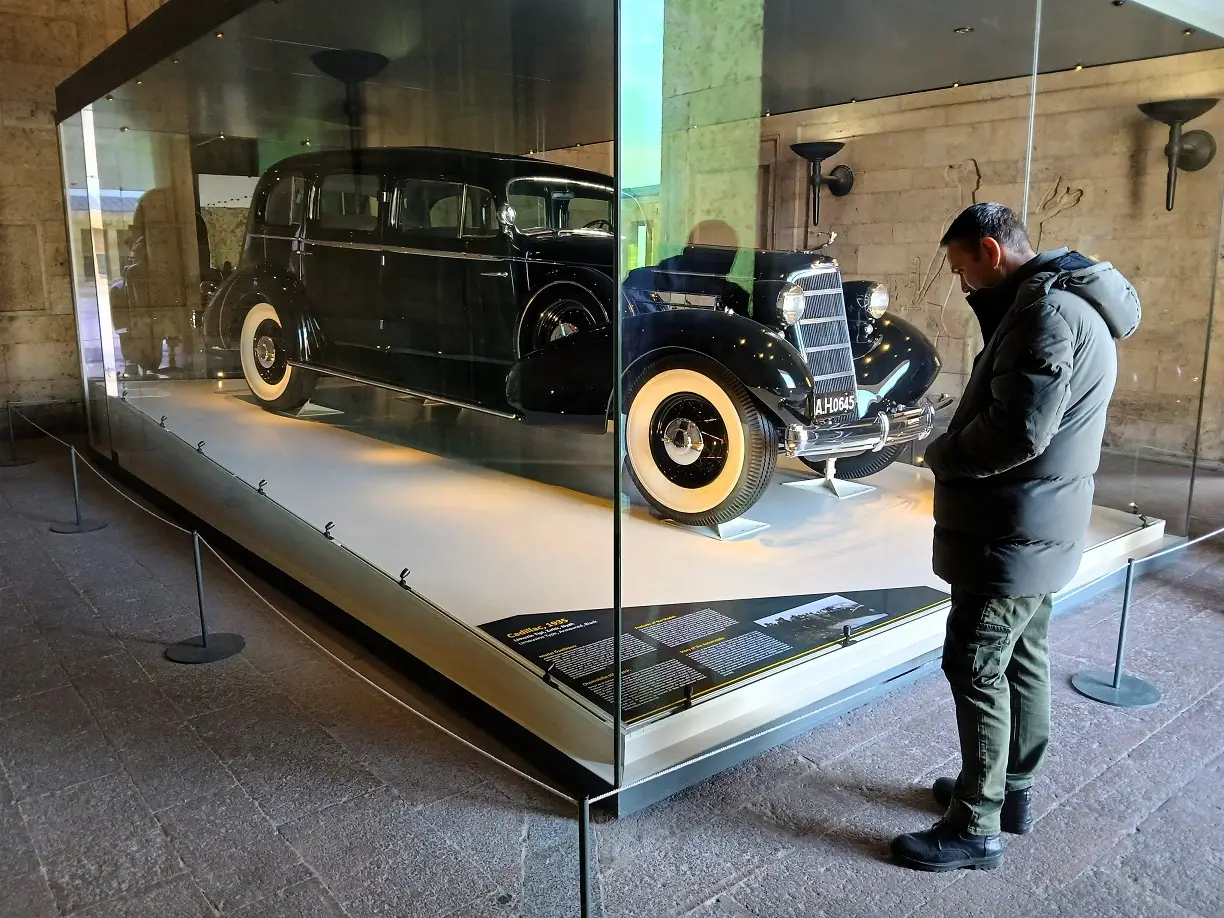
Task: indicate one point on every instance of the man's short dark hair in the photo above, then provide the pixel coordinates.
(987, 221)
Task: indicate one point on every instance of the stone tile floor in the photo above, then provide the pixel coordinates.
(278, 784)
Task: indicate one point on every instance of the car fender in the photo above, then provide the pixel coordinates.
(262, 283)
(901, 365)
(570, 382)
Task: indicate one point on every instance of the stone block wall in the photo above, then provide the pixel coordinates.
(41, 43)
(1098, 181)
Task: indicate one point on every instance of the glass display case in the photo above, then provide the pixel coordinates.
(588, 351)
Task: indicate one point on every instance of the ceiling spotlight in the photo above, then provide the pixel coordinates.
(1188, 32)
(956, 85)
(306, 142)
(964, 30)
(1079, 67)
(1119, 2)
(221, 136)
(139, 82)
(174, 60)
(123, 130)
(220, 34)
(109, 97)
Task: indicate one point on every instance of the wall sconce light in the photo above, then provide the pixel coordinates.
(1189, 151)
(840, 181)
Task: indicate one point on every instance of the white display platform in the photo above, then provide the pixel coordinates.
(483, 545)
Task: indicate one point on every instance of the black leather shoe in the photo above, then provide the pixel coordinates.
(1016, 817)
(947, 847)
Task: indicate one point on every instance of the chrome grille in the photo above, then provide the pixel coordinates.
(822, 335)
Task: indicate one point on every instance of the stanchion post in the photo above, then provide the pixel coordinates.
(81, 524)
(13, 459)
(1128, 594)
(76, 489)
(584, 855)
(199, 572)
(1117, 688)
(207, 648)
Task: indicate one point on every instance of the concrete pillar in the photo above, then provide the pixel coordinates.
(712, 63)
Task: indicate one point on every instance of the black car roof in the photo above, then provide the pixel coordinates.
(473, 165)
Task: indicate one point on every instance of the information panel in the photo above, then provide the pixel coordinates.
(676, 653)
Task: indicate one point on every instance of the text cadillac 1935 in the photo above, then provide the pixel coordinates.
(486, 282)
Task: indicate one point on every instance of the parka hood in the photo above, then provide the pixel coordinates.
(1102, 287)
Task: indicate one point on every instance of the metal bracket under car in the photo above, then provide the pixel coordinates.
(829, 483)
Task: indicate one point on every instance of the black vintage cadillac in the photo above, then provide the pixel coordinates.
(486, 282)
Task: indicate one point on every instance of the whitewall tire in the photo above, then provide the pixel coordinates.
(262, 344)
(697, 446)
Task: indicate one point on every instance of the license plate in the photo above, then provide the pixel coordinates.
(825, 405)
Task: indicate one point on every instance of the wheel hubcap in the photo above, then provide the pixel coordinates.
(688, 440)
(563, 330)
(265, 351)
(562, 319)
(270, 357)
(683, 441)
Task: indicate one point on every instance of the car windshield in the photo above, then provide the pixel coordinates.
(549, 206)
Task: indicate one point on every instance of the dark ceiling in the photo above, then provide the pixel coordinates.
(827, 53)
(518, 75)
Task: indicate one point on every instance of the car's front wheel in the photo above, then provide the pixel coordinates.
(275, 383)
(697, 446)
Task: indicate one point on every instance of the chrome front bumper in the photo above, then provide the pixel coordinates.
(862, 436)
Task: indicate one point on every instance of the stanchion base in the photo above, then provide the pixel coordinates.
(1131, 692)
(192, 650)
(13, 463)
(74, 528)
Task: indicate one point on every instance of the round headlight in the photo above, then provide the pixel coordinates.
(792, 304)
(877, 301)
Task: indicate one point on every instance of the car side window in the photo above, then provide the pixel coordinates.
(285, 202)
(428, 207)
(479, 218)
(349, 201)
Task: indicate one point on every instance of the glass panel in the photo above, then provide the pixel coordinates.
(350, 202)
(479, 215)
(789, 322)
(429, 207)
(1101, 186)
(322, 285)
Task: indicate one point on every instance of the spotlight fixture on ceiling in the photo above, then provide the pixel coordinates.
(840, 181)
(1189, 151)
(964, 30)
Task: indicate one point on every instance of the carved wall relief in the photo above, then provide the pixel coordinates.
(1060, 198)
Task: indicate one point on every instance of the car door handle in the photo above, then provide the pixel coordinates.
(494, 273)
